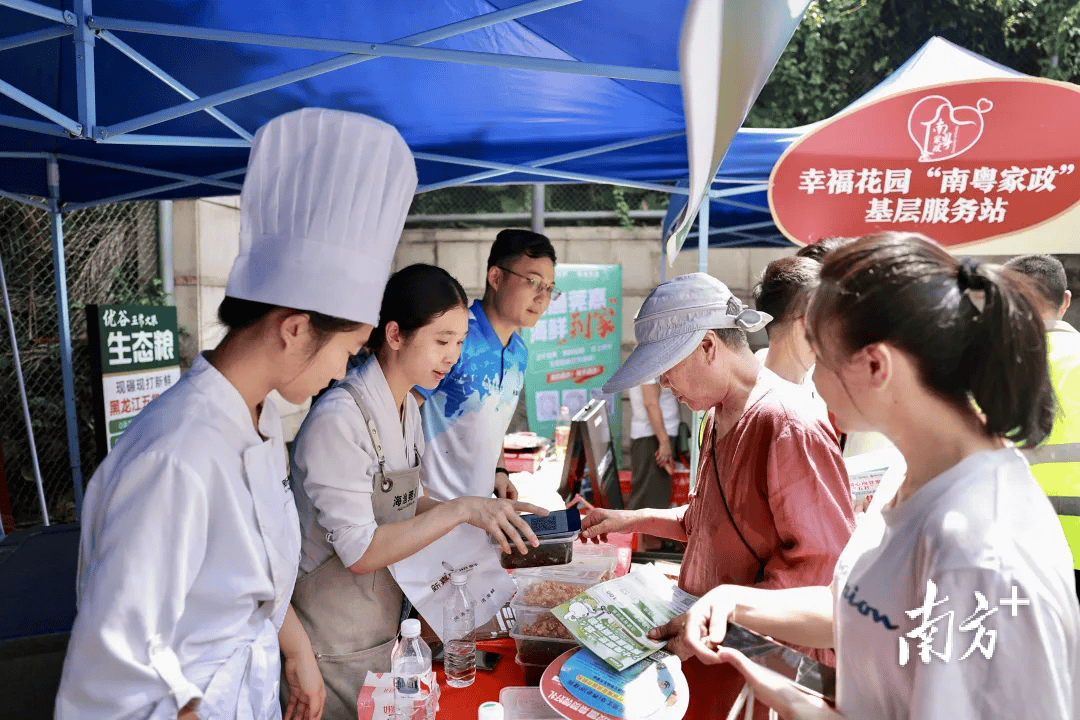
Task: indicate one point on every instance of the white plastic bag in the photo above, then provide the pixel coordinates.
(425, 576)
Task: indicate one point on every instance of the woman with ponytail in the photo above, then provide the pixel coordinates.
(356, 473)
(957, 600)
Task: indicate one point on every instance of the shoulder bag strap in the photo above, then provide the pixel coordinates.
(723, 497)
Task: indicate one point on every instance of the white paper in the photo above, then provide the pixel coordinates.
(547, 405)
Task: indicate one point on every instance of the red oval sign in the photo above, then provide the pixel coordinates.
(960, 162)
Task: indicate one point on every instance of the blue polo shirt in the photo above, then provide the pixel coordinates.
(466, 416)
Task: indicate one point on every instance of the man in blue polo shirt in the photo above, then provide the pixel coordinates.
(466, 416)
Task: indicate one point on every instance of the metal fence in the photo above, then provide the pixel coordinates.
(510, 205)
(111, 253)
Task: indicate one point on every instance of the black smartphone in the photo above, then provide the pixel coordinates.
(801, 669)
(558, 522)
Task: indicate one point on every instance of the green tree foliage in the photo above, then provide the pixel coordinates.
(843, 48)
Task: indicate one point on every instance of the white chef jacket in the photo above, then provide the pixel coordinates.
(188, 556)
(334, 464)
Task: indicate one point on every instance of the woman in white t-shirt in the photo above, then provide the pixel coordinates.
(957, 599)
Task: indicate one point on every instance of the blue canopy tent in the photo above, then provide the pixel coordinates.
(745, 220)
(111, 100)
(177, 88)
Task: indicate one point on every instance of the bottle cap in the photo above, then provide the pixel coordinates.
(460, 577)
(410, 628)
(490, 711)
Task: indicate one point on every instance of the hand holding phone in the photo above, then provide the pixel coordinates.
(559, 522)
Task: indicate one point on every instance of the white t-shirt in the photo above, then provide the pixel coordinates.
(467, 415)
(640, 426)
(983, 526)
(334, 464)
(808, 381)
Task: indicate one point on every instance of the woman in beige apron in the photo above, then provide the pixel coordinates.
(356, 468)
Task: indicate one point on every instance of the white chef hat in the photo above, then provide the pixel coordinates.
(321, 212)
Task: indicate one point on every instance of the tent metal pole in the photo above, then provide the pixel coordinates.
(663, 259)
(68, 207)
(744, 206)
(145, 63)
(150, 171)
(242, 91)
(361, 47)
(486, 20)
(175, 141)
(738, 190)
(85, 84)
(544, 172)
(703, 266)
(23, 199)
(40, 108)
(553, 160)
(748, 226)
(703, 238)
(25, 402)
(33, 8)
(538, 207)
(429, 36)
(66, 368)
(165, 248)
(33, 126)
(36, 36)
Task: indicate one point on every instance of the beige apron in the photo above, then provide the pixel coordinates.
(352, 620)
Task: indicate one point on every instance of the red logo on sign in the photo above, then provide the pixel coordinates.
(961, 163)
(942, 131)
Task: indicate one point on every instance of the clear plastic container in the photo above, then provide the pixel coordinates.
(540, 636)
(525, 703)
(544, 588)
(591, 563)
(553, 550)
(533, 672)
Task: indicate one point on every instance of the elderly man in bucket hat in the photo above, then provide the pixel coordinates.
(772, 507)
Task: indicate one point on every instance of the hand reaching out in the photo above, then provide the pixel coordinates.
(500, 519)
(599, 522)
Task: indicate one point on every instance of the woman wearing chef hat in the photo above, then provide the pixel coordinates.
(190, 537)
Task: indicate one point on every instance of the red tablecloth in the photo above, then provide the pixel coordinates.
(463, 703)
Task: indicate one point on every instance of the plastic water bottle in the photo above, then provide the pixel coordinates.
(411, 665)
(562, 433)
(459, 620)
(490, 711)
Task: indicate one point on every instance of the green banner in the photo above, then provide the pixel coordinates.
(137, 337)
(137, 348)
(575, 346)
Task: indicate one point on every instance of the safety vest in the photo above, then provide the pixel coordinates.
(1056, 463)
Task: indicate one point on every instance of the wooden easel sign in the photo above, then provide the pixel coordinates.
(590, 473)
